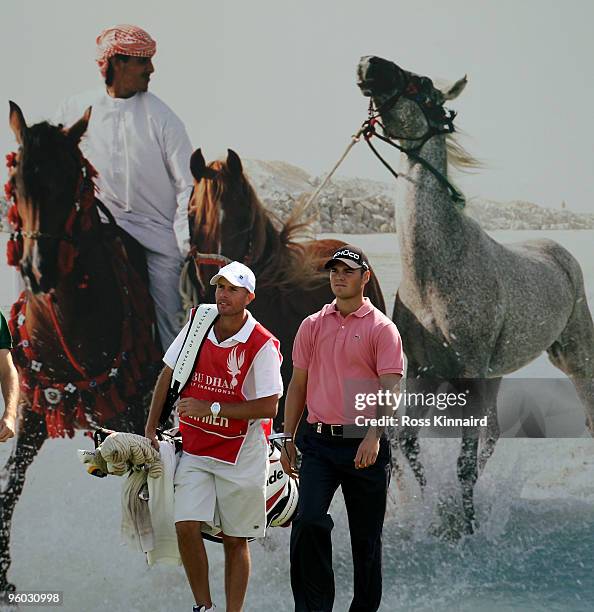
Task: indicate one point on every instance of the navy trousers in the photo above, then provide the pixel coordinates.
(328, 463)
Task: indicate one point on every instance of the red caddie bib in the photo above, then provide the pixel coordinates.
(218, 376)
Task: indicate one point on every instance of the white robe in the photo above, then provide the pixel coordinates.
(141, 152)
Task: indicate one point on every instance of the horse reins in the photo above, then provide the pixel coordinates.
(205, 259)
(367, 130)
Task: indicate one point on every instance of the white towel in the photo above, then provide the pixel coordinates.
(162, 511)
(136, 529)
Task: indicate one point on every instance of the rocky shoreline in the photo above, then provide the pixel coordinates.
(363, 206)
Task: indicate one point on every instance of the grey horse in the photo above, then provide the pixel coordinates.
(469, 309)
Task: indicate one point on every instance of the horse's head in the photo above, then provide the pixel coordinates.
(48, 180)
(229, 223)
(410, 106)
(223, 208)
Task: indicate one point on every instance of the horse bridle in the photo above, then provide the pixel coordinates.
(438, 125)
(85, 177)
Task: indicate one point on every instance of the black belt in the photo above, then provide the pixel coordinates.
(324, 429)
(350, 432)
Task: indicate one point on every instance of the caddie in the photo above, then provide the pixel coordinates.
(221, 477)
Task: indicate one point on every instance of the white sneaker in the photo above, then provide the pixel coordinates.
(203, 608)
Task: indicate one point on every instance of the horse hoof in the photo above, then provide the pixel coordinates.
(6, 588)
(453, 522)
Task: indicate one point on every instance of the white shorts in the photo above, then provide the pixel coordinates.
(232, 497)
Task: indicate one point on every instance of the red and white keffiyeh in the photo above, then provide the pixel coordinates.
(124, 39)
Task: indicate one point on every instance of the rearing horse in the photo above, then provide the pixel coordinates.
(82, 330)
(469, 307)
(229, 223)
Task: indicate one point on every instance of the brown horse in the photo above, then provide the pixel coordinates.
(229, 223)
(82, 329)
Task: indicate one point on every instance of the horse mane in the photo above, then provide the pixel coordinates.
(288, 264)
(459, 157)
(277, 254)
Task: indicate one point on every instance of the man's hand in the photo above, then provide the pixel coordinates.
(190, 406)
(289, 459)
(7, 428)
(151, 434)
(367, 452)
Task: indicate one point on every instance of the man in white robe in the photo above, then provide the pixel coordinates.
(141, 152)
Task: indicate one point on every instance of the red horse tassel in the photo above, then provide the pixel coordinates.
(57, 426)
(14, 246)
(80, 415)
(14, 250)
(14, 218)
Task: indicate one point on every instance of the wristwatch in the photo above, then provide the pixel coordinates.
(215, 408)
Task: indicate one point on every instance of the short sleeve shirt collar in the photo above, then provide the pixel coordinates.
(241, 336)
(363, 310)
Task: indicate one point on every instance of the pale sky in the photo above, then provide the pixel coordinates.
(275, 79)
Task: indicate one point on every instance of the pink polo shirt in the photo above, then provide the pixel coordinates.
(344, 356)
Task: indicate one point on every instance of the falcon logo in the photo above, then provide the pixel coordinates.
(234, 364)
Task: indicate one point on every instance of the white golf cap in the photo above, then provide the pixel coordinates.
(237, 274)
